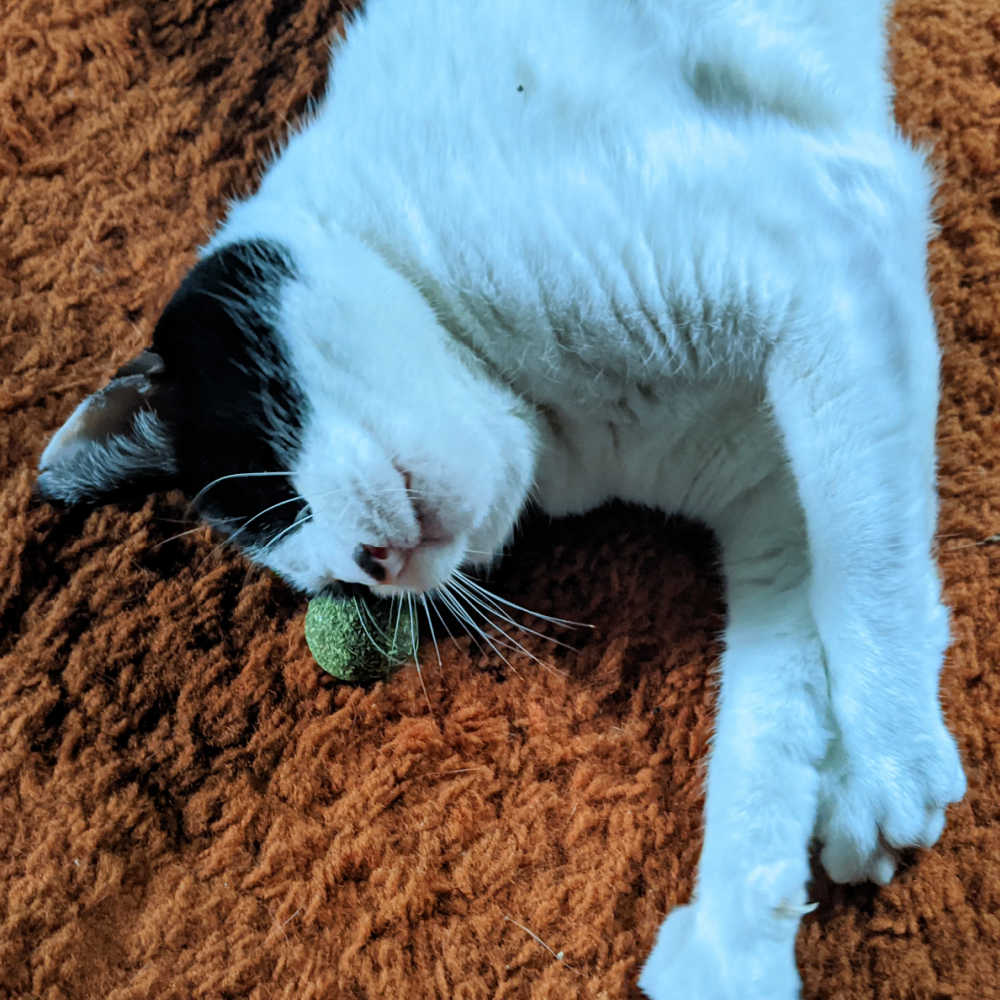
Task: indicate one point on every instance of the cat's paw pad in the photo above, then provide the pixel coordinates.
(876, 804)
(696, 959)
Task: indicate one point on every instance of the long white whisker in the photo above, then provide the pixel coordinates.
(334, 491)
(256, 552)
(376, 626)
(233, 475)
(398, 603)
(513, 643)
(416, 658)
(466, 610)
(201, 526)
(452, 602)
(366, 609)
(281, 534)
(430, 598)
(266, 510)
(430, 625)
(181, 534)
(517, 607)
(485, 599)
(359, 610)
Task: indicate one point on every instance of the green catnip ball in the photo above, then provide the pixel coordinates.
(338, 639)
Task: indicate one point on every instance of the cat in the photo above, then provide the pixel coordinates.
(669, 251)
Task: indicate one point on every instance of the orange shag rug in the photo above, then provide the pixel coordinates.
(190, 808)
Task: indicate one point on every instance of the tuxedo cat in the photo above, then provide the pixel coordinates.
(671, 251)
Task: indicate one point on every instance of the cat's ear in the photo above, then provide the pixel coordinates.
(114, 439)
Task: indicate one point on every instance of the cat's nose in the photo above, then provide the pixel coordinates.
(382, 563)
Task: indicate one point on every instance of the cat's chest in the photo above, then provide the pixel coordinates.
(552, 217)
(569, 266)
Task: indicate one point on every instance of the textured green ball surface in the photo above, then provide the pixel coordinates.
(338, 640)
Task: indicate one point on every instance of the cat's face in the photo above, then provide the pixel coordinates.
(320, 419)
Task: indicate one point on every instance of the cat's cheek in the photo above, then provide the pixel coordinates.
(303, 561)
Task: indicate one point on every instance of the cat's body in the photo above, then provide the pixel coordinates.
(666, 251)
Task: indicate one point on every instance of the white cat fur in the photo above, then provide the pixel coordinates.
(672, 252)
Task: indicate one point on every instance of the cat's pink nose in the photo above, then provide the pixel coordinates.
(382, 563)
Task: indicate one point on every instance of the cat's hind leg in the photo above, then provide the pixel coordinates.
(736, 939)
(855, 404)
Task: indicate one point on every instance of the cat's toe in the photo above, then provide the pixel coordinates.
(849, 858)
(876, 804)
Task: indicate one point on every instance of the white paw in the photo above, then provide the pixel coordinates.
(874, 804)
(695, 958)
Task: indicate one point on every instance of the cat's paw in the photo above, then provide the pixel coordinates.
(695, 958)
(874, 804)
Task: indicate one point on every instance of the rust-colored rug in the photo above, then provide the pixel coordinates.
(190, 808)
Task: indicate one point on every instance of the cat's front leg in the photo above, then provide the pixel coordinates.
(736, 939)
(855, 404)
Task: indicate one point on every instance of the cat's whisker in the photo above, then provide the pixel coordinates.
(180, 534)
(486, 600)
(433, 605)
(255, 551)
(449, 602)
(397, 603)
(200, 526)
(220, 524)
(430, 625)
(472, 628)
(465, 578)
(267, 510)
(416, 657)
(390, 639)
(361, 610)
(232, 475)
(452, 602)
(482, 610)
(475, 600)
(323, 494)
(281, 534)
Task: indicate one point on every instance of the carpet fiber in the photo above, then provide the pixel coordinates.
(190, 808)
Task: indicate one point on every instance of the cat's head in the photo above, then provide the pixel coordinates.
(317, 414)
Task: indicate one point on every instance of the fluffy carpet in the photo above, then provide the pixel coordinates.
(190, 808)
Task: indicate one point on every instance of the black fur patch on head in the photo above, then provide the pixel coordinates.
(231, 402)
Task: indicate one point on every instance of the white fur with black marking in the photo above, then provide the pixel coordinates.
(664, 250)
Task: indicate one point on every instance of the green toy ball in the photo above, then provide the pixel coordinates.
(357, 640)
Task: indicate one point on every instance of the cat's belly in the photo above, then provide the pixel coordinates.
(683, 448)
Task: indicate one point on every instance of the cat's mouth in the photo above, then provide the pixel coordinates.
(402, 565)
(415, 569)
